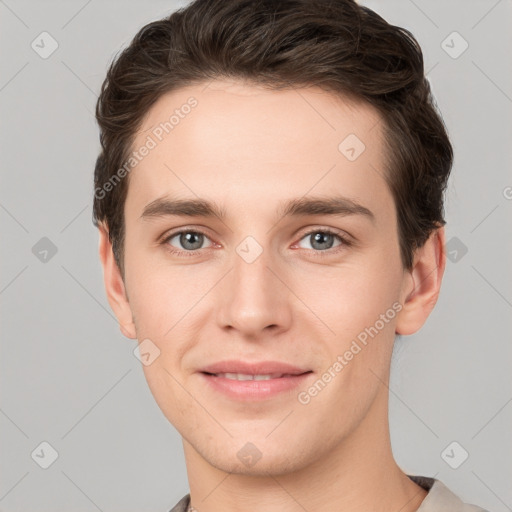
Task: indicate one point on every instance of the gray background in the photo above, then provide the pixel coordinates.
(68, 376)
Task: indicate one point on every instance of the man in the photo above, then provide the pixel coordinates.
(269, 198)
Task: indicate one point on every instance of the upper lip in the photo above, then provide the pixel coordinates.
(256, 368)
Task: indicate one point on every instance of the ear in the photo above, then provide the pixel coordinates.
(422, 284)
(114, 286)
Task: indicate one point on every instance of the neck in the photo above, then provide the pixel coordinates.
(358, 474)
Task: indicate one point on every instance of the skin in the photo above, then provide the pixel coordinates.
(249, 149)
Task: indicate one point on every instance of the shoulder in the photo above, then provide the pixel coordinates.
(182, 505)
(440, 498)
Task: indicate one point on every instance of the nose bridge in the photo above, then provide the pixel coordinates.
(253, 296)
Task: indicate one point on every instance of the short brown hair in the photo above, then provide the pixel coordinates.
(337, 45)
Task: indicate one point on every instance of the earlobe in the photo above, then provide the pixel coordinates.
(114, 285)
(422, 284)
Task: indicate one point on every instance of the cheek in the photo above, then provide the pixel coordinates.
(169, 304)
(361, 307)
(152, 308)
(158, 293)
(353, 297)
(361, 310)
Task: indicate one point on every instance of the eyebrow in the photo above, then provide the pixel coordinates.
(304, 206)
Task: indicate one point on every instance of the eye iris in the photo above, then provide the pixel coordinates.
(188, 238)
(320, 237)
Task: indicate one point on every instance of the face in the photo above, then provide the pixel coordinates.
(318, 285)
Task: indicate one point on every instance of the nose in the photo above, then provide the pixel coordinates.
(253, 299)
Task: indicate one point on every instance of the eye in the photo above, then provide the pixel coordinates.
(190, 240)
(322, 240)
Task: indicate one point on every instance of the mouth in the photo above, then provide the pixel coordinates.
(249, 387)
(247, 376)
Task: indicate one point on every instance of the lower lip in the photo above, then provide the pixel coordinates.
(254, 390)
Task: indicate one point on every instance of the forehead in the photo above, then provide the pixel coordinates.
(233, 142)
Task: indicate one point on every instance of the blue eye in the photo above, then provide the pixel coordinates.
(323, 239)
(192, 241)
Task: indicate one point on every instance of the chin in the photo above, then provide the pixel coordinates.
(259, 457)
(273, 465)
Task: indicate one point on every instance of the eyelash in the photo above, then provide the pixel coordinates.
(345, 242)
